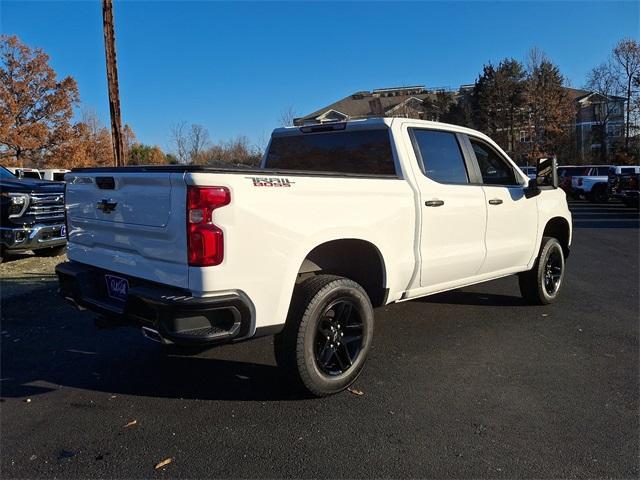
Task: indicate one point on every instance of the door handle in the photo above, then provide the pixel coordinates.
(495, 201)
(434, 203)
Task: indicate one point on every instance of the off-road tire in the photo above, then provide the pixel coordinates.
(532, 283)
(51, 251)
(295, 347)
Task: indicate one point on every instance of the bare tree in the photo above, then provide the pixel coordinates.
(602, 80)
(626, 58)
(287, 116)
(180, 141)
(198, 142)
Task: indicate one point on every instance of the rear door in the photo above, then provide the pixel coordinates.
(512, 219)
(453, 210)
(129, 222)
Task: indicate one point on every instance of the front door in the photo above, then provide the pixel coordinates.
(453, 211)
(512, 219)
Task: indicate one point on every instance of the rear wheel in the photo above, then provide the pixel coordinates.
(327, 336)
(51, 251)
(541, 284)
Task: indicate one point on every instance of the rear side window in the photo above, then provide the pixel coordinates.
(440, 156)
(494, 169)
(366, 152)
(627, 170)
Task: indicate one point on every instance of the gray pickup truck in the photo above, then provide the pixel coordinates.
(31, 215)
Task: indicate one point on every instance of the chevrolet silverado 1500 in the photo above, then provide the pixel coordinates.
(340, 218)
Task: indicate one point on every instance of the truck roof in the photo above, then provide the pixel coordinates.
(379, 122)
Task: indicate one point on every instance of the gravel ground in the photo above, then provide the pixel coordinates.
(24, 272)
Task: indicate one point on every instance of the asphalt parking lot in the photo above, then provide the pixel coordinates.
(471, 383)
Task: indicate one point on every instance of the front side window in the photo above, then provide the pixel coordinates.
(493, 168)
(440, 155)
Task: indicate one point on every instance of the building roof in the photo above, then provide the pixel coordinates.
(364, 104)
(576, 93)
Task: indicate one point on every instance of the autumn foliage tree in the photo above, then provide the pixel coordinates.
(550, 110)
(35, 107)
(140, 154)
(88, 145)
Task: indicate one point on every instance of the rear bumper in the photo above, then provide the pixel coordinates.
(32, 238)
(167, 314)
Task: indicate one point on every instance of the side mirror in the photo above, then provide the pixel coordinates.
(547, 173)
(532, 189)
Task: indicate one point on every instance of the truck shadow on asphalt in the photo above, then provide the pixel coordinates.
(117, 373)
(462, 297)
(46, 345)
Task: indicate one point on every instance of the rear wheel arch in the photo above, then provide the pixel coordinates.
(356, 259)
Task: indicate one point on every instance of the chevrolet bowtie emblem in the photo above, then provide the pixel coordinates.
(107, 206)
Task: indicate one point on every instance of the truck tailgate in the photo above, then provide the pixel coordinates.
(129, 222)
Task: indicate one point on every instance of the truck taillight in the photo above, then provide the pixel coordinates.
(204, 239)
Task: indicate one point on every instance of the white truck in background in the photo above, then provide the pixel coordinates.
(23, 172)
(339, 219)
(54, 174)
(592, 184)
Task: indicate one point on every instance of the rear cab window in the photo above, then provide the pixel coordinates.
(358, 152)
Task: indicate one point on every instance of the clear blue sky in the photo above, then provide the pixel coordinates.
(233, 67)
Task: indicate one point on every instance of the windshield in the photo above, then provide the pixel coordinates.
(4, 173)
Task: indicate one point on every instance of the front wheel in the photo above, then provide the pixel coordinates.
(327, 336)
(541, 284)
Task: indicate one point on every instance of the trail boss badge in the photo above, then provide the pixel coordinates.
(270, 182)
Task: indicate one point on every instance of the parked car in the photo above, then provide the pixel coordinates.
(25, 172)
(529, 171)
(629, 190)
(591, 183)
(340, 218)
(31, 215)
(566, 172)
(54, 174)
(615, 175)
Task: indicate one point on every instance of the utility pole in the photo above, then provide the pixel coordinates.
(112, 82)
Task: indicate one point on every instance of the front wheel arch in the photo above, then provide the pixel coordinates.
(558, 228)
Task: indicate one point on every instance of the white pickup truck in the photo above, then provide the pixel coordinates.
(340, 218)
(592, 183)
